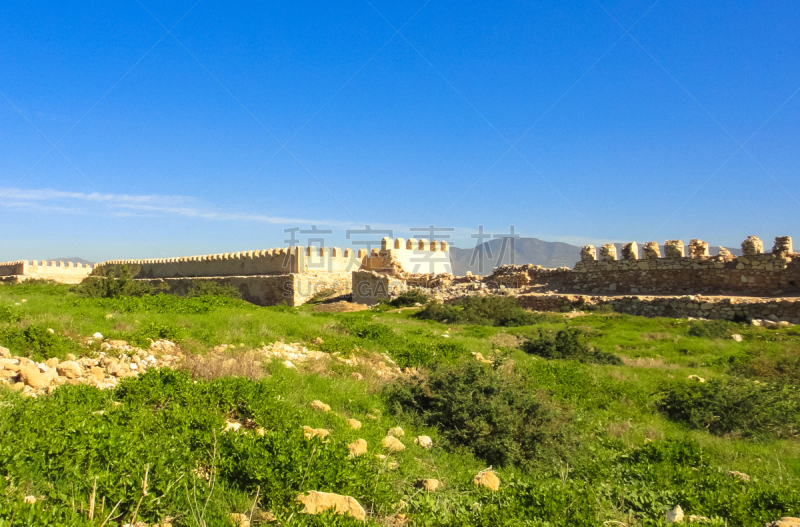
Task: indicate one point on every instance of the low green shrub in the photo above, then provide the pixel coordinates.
(783, 365)
(409, 299)
(568, 343)
(484, 410)
(406, 350)
(37, 342)
(733, 406)
(113, 282)
(477, 310)
(212, 288)
(156, 331)
(163, 303)
(10, 314)
(711, 329)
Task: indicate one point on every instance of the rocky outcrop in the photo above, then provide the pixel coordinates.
(318, 502)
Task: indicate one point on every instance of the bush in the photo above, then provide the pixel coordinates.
(36, 342)
(113, 282)
(9, 314)
(484, 410)
(478, 310)
(734, 405)
(156, 331)
(568, 343)
(409, 299)
(162, 303)
(212, 288)
(404, 350)
(782, 366)
(712, 329)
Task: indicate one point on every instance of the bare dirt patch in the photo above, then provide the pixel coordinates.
(656, 336)
(648, 362)
(505, 340)
(340, 307)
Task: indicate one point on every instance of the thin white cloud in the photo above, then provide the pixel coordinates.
(48, 194)
(152, 205)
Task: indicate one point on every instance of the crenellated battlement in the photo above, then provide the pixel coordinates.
(755, 272)
(282, 260)
(58, 271)
(399, 257)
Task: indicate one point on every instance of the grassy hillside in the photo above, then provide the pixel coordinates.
(615, 433)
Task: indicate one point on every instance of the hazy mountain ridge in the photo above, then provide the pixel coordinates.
(526, 250)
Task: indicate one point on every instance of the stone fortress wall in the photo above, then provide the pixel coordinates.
(64, 272)
(756, 285)
(294, 275)
(755, 273)
(642, 281)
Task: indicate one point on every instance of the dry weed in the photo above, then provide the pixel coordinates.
(505, 340)
(215, 366)
(619, 429)
(648, 362)
(656, 336)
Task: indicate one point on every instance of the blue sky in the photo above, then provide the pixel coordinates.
(142, 130)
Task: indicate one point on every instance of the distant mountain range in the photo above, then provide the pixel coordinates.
(488, 255)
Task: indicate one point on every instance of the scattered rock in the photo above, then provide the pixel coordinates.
(310, 433)
(357, 448)
(265, 516)
(4, 352)
(320, 406)
(318, 502)
(240, 520)
(479, 357)
(674, 515)
(424, 441)
(696, 378)
(392, 444)
(354, 424)
(29, 499)
(163, 346)
(357, 376)
(97, 335)
(487, 478)
(232, 426)
(737, 337)
(396, 432)
(429, 485)
(786, 521)
(318, 341)
(289, 365)
(50, 330)
(31, 376)
(693, 518)
(736, 474)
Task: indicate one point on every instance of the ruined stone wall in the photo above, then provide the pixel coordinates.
(62, 272)
(13, 268)
(251, 263)
(369, 287)
(697, 306)
(270, 290)
(400, 257)
(753, 274)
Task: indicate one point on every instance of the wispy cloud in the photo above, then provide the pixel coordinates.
(150, 205)
(48, 194)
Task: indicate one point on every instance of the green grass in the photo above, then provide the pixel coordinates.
(624, 454)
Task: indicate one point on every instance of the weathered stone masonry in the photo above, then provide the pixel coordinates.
(753, 274)
(64, 272)
(294, 275)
